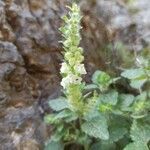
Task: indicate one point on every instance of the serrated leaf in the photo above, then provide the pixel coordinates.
(103, 146)
(51, 145)
(140, 132)
(96, 127)
(59, 104)
(105, 108)
(102, 79)
(136, 146)
(63, 114)
(117, 133)
(141, 97)
(110, 98)
(92, 114)
(140, 102)
(133, 73)
(119, 122)
(67, 115)
(125, 100)
(72, 117)
(137, 83)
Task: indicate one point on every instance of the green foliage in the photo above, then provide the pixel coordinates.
(101, 79)
(98, 116)
(125, 101)
(140, 75)
(117, 133)
(110, 98)
(96, 127)
(103, 146)
(58, 104)
(54, 146)
(140, 132)
(137, 77)
(136, 146)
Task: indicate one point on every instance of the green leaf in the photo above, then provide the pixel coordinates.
(82, 138)
(110, 98)
(92, 114)
(60, 127)
(63, 114)
(49, 118)
(137, 84)
(133, 73)
(117, 133)
(90, 87)
(67, 115)
(141, 97)
(59, 104)
(103, 146)
(105, 108)
(72, 117)
(140, 132)
(140, 102)
(125, 100)
(96, 127)
(136, 146)
(59, 134)
(51, 145)
(102, 79)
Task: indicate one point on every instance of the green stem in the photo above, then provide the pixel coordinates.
(86, 147)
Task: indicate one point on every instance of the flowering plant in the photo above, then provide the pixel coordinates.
(72, 68)
(91, 119)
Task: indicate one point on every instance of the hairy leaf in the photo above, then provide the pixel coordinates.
(63, 114)
(138, 83)
(110, 98)
(116, 133)
(125, 100)
(140, 132)
(102, 79)
(103, 146)
(136, 146)
(51, 145)
(59, 104)
(96, 127)
(133, 73)
(50, 118)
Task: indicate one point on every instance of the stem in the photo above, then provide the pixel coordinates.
(68, 143)
(86, 147)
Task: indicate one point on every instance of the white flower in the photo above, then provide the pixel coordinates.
(80, 69)
(64, 68)
(75, 79)
(65, 82)
(70, 79)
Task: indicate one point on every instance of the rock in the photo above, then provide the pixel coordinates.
(6, 32)
(9, 53)
(113, 13)
(28, 145)
(5, 70)
(3, 98)
(141, 18)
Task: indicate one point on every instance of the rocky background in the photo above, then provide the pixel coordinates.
(30, 57)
